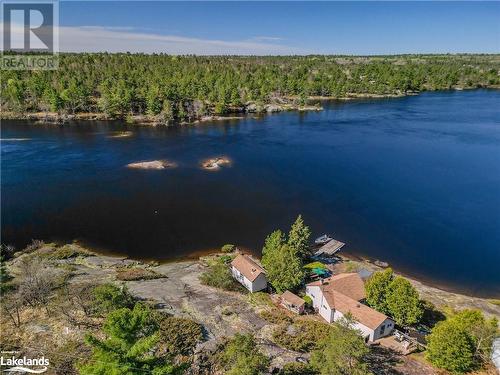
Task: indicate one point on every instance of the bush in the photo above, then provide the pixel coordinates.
(297, 368)
(137, 273)
(228, 248)
(308, 300)
(260, 299)
(275, 316)
(108, 297)
(302, 335)
(343, 351)
(241, 356)
(462, 342)
(67, 252)
(34, 245)
(219, 276)
(178, 336)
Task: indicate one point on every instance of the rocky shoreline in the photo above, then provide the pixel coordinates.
(175, 288)
(147, 120)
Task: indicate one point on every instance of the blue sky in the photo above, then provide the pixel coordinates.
(281, 27)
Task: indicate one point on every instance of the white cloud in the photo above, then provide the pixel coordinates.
(124, 39)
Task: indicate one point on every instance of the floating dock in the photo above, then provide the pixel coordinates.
(330, 248)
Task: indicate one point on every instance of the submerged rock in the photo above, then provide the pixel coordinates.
(153, 164)
(120, 134)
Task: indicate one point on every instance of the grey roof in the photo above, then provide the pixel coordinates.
(364, 273)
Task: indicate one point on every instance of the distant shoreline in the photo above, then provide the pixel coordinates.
(234, 114)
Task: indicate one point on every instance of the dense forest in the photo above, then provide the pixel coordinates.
(183, 88)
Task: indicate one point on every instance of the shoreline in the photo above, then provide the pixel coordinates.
(440, 295)
(235, 113)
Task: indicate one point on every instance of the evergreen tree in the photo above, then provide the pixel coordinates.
(128, 349)
(341, 353)
(284, 268)
(242, 357)
(298, 237)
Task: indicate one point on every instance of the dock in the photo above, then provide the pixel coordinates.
(330, 248)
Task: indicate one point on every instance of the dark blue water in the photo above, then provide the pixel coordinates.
(413, 181)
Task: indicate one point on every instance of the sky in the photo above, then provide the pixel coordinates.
(280, 28)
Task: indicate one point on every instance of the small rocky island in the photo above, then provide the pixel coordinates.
(215, 163)
(152, 164)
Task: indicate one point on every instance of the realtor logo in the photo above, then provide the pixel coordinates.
(30, 27)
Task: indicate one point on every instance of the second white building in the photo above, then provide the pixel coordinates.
(341, 294)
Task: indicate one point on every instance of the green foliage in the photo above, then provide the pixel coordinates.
(296, 368)
(298, 237)
(275, 316)
(242, 357)
(394, 296)
(450, 347)
(67, 252)
(260, 299)
(309, 301)
(403, 302)
(377, 289)
(109, 297)
(169, 86)
(132, 336)
(5, 276)
(219, 276)
(342, 352)
(178, 336)
(282, 258)
(462, 342)
(302, 335)
(228, 248)
(283, 268)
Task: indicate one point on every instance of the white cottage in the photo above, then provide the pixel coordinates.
(342, 294)
(250, 274)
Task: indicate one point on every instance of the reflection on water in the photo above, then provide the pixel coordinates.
(412, 181)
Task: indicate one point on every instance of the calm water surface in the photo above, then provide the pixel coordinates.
(413, 181)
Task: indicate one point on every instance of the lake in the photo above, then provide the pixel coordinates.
(412, 181)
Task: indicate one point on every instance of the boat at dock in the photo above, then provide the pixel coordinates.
(323, 239)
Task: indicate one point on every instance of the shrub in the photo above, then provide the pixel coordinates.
(462, 342)
(275, 316)
(34, 245)
(108, 297)
(343, 351)
(302, 335)
(67, 252)
(297, 368)
(137, 273)
(260, 299)
(309, 301)
(241, 356)
(228, 248)
(219, 276)
(178, 336)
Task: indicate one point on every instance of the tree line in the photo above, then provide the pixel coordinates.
(184, 88)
